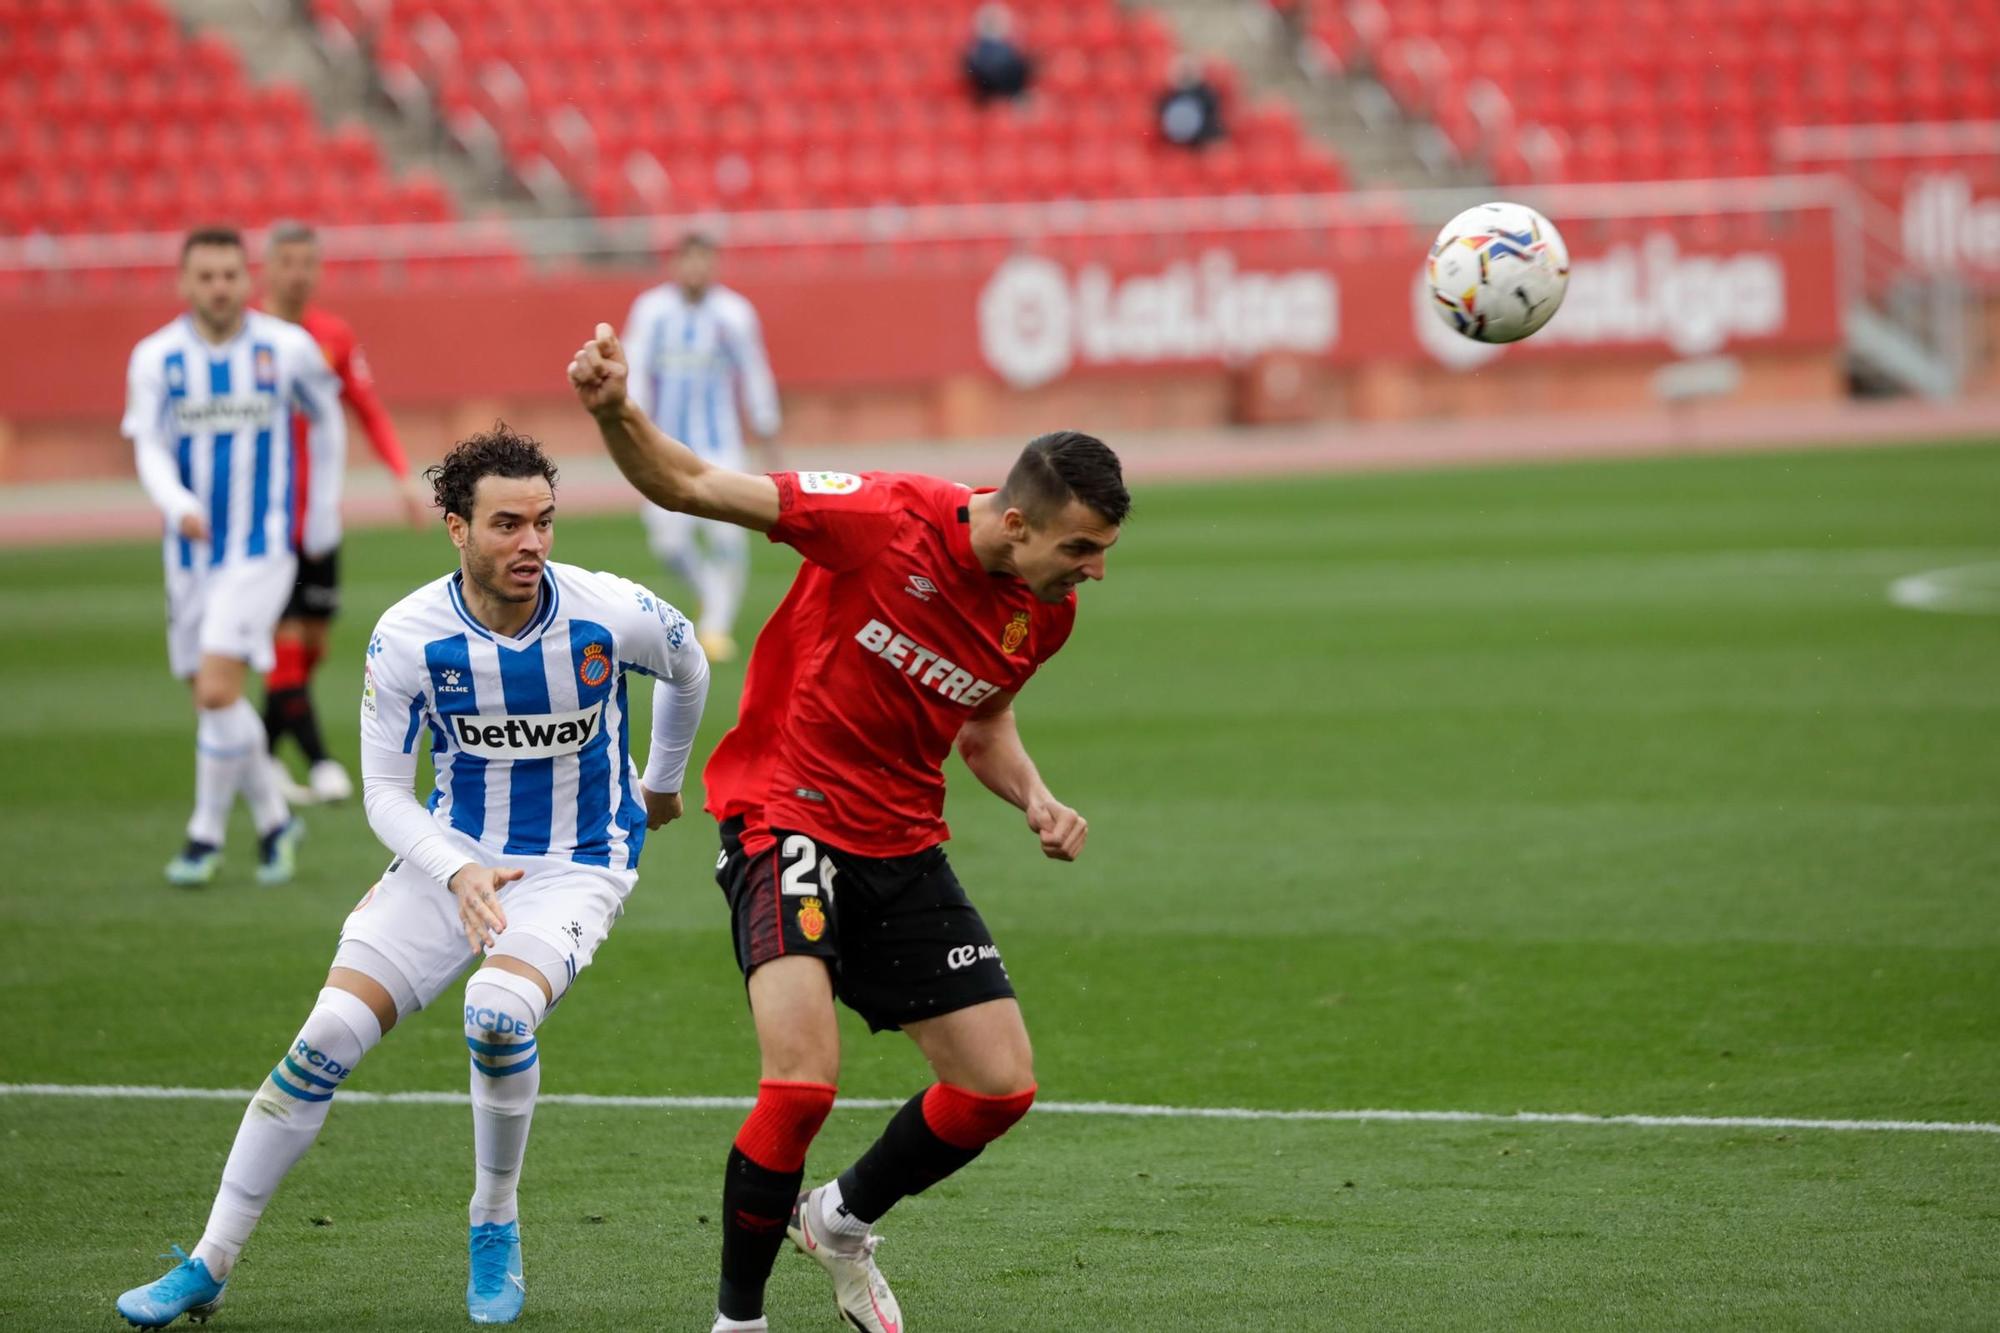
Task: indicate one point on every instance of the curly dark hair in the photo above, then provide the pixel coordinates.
(499, 452)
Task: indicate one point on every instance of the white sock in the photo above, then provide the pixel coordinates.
(260, 775)
(723, 574)
(220, 755)
(283, 1120)
(502, 1011)
(832, 1218)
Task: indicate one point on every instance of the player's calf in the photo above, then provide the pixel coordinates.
(283, 1119)
(760, 1185)
(503, 1011)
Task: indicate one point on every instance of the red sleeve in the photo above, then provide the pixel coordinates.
(358, 387)
(836, 519)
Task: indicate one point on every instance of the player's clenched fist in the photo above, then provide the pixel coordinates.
(1061, 829)
(598, 371)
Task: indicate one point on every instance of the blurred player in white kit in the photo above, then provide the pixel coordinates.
(695, 348)
(208, 407)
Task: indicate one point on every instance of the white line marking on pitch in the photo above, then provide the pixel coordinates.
(1962, 589)
(127, 1092)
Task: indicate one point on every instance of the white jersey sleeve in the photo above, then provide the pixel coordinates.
(316, 393)
(393, 711)
(743, 337)
(145, 425)
(657, 639)
(639, 337)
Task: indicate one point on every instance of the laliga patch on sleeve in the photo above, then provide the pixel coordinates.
(368, 690)
(829, 483)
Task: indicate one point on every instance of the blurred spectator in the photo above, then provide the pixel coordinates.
(1190, 112)
(995, 65)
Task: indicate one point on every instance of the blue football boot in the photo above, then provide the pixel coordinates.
(195, 866)
(186, 1289)
(278, 853)
(495, 1291)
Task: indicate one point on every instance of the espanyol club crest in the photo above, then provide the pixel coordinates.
(595, 668)
(1015, 634)
(265, 362)
(812, 919)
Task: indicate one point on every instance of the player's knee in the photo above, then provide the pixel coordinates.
(784, 1122)
(503, 1010)
(971, 1120)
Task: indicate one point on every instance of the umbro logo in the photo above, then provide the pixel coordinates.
(921, 588)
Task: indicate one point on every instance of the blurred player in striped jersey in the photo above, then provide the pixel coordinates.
(511, 670)
(291, 277)
(208, 408)
(695, 346)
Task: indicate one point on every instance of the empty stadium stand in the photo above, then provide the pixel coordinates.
(646, 106)
(112, 121)
(1577, 90)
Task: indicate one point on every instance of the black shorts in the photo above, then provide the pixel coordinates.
(316, 594)
(900, 937)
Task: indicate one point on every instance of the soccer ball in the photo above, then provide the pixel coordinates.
(1498, 272)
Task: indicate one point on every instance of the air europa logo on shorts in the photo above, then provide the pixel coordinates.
(965, 955)
(913, 659)
(542, 736)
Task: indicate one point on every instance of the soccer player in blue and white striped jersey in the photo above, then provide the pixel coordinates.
(696, 349)
(511, 672)
(208, 408)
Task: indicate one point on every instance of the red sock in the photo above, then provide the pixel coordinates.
(781, 1126)
(294, 666)
(971, 1120)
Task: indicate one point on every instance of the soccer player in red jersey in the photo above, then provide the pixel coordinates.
(291, 276)
(921, 610)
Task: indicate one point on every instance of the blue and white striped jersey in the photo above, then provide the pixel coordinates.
(690, 360)
(210, 428)
(530, 735)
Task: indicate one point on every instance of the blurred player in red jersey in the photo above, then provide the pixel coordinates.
(291, 276)
(921, 610)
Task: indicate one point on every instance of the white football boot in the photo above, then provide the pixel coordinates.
(860, 1292)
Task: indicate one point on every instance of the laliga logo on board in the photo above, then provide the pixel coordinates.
(1639, 293)
(1036, 320)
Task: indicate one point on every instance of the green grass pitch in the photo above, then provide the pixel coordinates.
(1611, 788)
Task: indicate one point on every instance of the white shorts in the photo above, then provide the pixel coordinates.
(412, 921)
(227, 610)
(668, 531)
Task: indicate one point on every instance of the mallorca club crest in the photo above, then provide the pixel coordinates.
(1015, 634)
(812, 919)
(595, 668)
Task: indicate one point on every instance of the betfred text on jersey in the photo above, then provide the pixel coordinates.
(930, 670)
(538, 737)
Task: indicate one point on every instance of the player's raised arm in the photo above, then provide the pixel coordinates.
(663, 469)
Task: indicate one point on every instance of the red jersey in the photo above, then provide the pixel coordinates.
(342, 351)
(891, 636)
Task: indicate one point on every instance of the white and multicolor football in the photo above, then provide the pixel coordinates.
(1498, 272)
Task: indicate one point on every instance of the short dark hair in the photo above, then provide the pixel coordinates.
(694, 240)
(500, 452)
(210, 236)
(1067, 465)
(290, 232)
